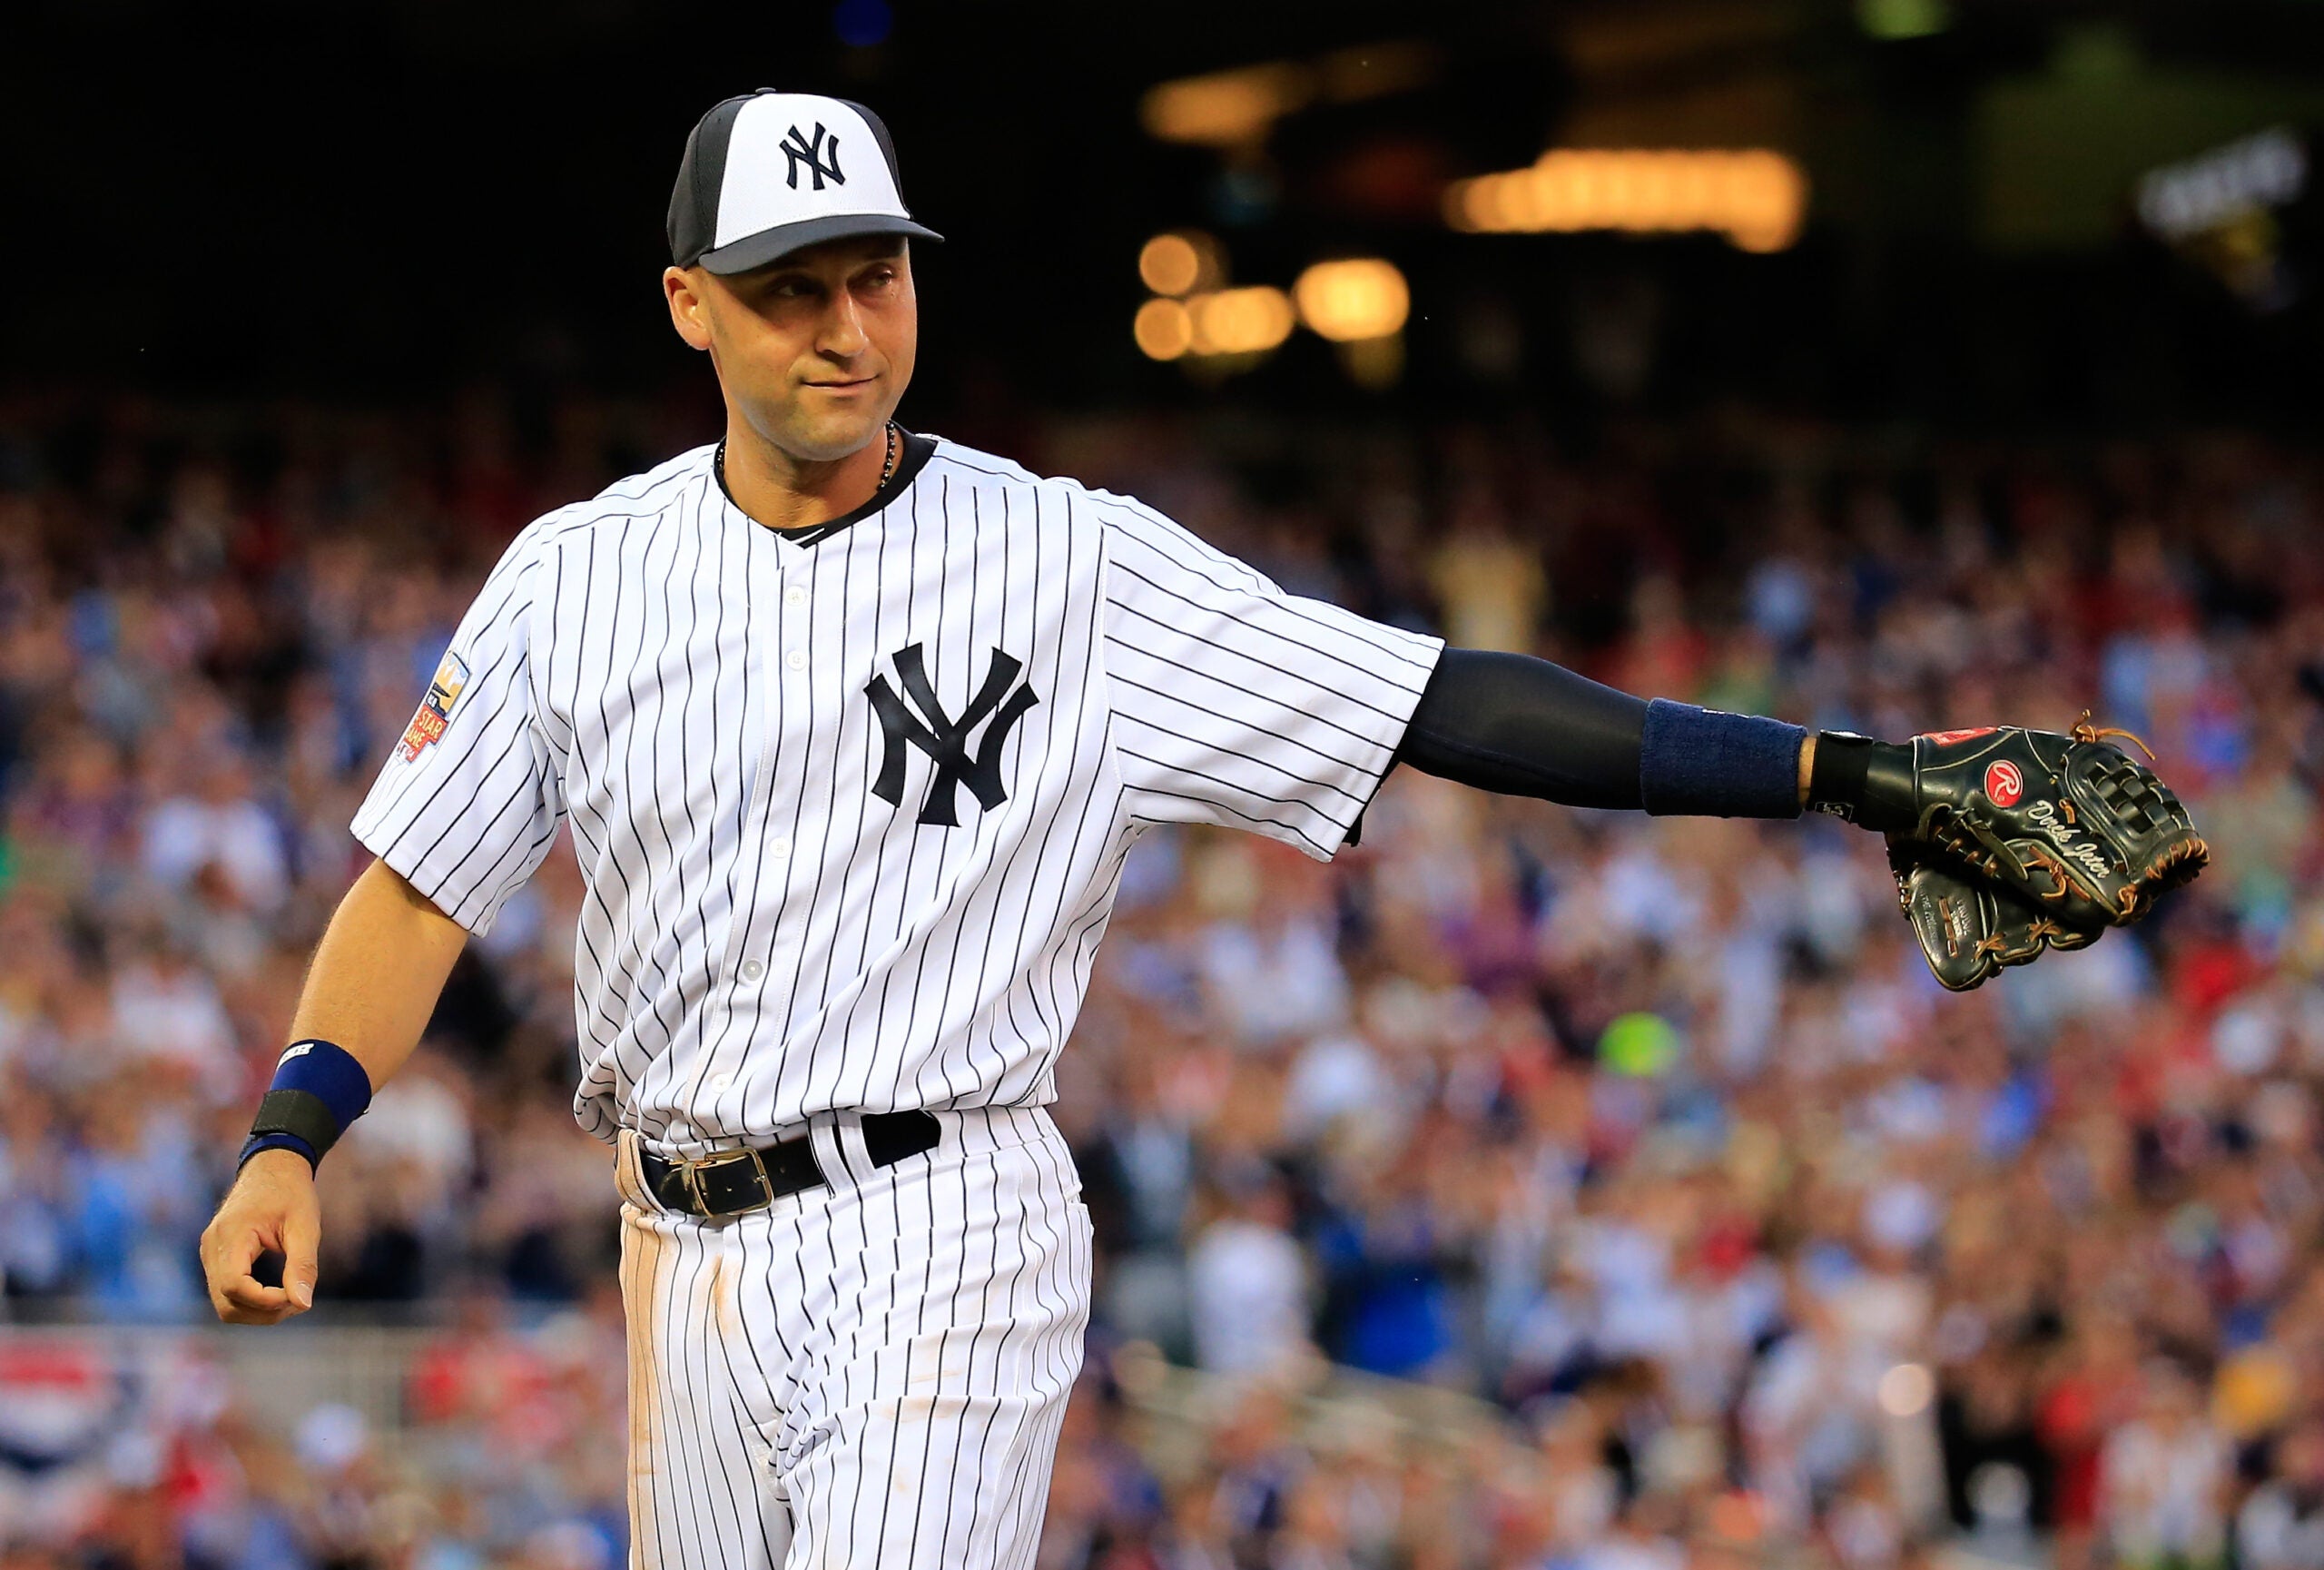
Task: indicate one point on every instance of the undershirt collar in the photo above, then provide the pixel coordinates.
(917, 451)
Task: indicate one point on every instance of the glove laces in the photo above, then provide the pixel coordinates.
(2085, 731)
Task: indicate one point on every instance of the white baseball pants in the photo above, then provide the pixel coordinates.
(868, 1373)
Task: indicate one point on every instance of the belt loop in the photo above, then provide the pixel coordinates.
(629, 1174)
(829, 1136)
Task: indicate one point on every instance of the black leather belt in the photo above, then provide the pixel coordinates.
(733, 1181)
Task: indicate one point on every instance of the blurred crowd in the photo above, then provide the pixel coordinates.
(1653, 1134)
(484, 1445)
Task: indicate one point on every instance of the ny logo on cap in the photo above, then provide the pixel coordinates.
(820, 153)
(944, 738)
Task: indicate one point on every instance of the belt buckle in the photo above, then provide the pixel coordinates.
(694, 1171)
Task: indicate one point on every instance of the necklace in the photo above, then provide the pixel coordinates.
(887, 470)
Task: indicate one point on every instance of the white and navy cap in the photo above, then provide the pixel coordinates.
(769, 172)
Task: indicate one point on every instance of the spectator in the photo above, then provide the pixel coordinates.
(1247, 1282)
(2281, 1525)
(2162, 1478)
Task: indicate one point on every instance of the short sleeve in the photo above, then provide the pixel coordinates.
(470, 796)
(1234, 703)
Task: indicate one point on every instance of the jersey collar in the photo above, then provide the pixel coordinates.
(917, 451)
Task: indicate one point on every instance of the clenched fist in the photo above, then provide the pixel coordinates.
(272, 1206)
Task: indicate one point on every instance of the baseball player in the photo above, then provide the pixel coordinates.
(852, 729)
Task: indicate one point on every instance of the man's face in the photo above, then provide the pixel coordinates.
(813, 350)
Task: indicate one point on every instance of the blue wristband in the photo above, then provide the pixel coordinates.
(258, 1143)
(319, 1089)
(1706, 763)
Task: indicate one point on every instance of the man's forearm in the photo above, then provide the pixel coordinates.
(1524, 726)
(377, 972)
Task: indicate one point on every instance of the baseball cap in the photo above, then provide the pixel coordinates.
(768, 172)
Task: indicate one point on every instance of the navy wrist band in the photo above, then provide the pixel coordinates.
(258, 1143)
(1706, 763)
(319, 1089)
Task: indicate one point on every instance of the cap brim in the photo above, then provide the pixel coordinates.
(772, 244)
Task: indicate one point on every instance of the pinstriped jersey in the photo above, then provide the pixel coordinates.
(851, 804)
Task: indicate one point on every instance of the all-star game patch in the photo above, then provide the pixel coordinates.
(435, 710)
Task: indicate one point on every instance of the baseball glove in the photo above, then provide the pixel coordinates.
(1969, 931)
(2078, 829)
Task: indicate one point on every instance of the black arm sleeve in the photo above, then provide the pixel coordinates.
(1523, 726)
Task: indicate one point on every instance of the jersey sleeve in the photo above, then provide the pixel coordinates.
(1234, 703)
(470, 795)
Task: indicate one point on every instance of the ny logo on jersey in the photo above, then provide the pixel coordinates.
(821, 156)
(944, 738)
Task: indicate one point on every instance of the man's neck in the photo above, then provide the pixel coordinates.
(781, 491)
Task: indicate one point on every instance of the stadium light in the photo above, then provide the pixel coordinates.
(1236, 109)
(1226, 108)
(1360, 303)
(1756, 198)
(1180, 263)
(1163, 329)
(1225, 323)
(1359, 298)
(1240, 320)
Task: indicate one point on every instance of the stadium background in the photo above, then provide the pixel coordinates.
(1531, 1188)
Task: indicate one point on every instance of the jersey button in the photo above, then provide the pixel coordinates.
(780, 845)
(794, 596)
(753, 969)
(797, 659)
(720, 1081)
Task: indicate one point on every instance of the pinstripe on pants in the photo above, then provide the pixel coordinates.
(869, 1373)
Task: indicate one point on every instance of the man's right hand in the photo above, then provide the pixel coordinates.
(272, 1206)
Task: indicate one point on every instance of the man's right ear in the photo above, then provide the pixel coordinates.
(688, 309)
